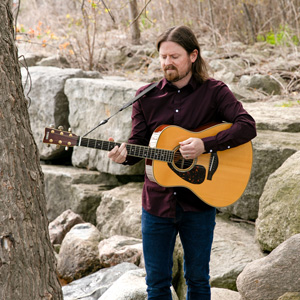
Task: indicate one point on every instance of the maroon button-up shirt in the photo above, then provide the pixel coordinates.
(190, 107)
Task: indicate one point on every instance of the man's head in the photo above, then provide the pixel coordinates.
(179, 54)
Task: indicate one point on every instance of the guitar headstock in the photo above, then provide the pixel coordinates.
(59, 137)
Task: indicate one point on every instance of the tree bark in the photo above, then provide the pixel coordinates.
(27, 262)
(135, 30)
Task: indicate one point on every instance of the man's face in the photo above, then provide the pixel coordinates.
(175, 61)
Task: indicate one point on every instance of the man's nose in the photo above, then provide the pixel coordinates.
(168, 61)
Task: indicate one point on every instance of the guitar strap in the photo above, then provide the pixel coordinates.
(145, 91)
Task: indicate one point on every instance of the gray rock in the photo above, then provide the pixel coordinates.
(91, 287)
(290, 296)
(131, 285)
(119, 212)
(270, 277)
(49, 104)
(279, 205)
(118, 249)
(75, 189)
(59, 227)
(266, 83)
(233, 248)
(79, 254)
(54, 61)
(274, 116)
(91, 101)
(224, 294)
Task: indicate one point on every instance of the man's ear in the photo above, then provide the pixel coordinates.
(193, 55)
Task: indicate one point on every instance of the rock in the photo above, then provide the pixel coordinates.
(274, 116)
(290, 296)
(270, 277)
(93, 286)
(264, 82)
(228, 65)
(54, 61)
(75, 189)
(91, 101)
(118, 249)
(119, 212)
(233, 248)
(49, 104)
(279, 205)
(59, 227)
(131, 285)
(30, 59)
(271, 150)
(224, 294)
(79, 254)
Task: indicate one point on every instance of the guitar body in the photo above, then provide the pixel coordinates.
(218, 178)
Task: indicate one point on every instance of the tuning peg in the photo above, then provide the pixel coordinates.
(61, 128)
(52, 126)
(66, 148)
(48, 145)
(70, 129)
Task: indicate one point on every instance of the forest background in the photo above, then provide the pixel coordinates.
(80, 29)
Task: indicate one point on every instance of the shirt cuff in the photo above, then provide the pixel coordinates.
(210, 144)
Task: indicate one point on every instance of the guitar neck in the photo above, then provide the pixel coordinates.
(133, 150)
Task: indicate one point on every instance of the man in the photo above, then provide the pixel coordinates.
(186, 97)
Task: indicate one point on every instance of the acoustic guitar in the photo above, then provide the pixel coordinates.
(217, 178)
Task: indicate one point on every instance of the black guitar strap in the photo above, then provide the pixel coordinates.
(145, 91)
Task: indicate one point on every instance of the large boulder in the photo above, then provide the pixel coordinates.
(79, 254)
(119, 212)
(233, 248)
(77, 189)
(48, 103)
(93, 286)
(94, 100)
(118, 249)
(274, 115)
(131, 285)
(279, 205)
(271, 277)
(266, 83)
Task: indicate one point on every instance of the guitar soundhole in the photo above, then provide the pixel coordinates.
(180, 162)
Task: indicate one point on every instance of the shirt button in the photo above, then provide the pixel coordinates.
(228, 147)
(178, 91)
(175, 193)
(177, 110)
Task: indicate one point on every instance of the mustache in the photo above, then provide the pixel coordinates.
(169, 67)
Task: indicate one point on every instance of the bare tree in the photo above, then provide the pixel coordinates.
(133, 15)
(27, 263)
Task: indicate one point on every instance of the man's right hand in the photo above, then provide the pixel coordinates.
(118, 154)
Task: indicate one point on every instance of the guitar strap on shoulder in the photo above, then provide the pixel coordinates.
(145, 91)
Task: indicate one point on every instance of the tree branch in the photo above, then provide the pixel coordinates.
(137, 17)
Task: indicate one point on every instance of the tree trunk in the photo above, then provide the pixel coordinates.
(135, 30)
(27, 262)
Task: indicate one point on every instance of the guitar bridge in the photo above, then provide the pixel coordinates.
(213, 165)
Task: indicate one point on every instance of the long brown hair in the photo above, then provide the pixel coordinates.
(184, 36)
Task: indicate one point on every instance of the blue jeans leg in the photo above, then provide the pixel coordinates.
(196, 234)
(159, 236)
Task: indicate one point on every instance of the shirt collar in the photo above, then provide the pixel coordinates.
(165, 83)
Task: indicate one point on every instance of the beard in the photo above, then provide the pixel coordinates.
(174, 76)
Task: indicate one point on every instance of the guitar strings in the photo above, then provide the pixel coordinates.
(174, 155)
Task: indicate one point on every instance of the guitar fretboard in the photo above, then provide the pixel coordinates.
(133, 150)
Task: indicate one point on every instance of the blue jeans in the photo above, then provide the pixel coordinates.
(159, 235)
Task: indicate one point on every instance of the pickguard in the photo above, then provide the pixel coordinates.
(196, 175)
